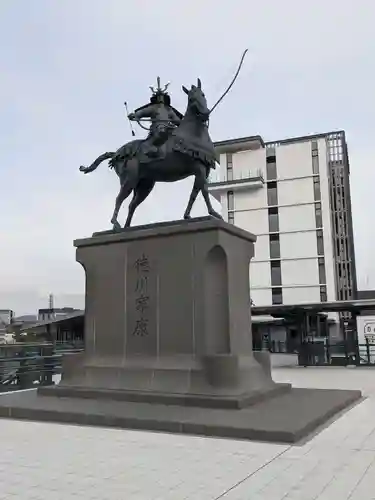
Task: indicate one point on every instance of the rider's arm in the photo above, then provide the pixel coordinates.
(144, 113)
(174, 118)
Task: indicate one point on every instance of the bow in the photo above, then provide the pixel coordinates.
(148, 120)
(142, 126)
(232, 82)
(127, 115)
(137, 121)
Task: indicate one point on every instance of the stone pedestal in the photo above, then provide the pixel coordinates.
(168, 317)
(168, 343)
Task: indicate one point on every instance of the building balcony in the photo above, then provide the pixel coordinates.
(219, 183)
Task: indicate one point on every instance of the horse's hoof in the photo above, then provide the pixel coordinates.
(116, 227)
(187, 217)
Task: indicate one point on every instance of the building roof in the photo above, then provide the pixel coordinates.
(256, 142)
(337, 306)
(54, 310)
(366, 294)
(268, 312)
(60, 320)
(240, 144)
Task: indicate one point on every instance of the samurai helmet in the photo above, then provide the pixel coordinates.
(159, 91)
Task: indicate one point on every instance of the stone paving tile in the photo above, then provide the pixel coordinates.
(61, 462)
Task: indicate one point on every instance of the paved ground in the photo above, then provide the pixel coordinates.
(60, 462)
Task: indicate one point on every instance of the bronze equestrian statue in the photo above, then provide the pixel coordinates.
(177, 147)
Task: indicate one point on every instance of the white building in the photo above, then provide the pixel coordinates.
(6, 317)
(294, 195)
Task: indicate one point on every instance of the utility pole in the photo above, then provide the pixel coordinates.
(51, 303)
(50, 318)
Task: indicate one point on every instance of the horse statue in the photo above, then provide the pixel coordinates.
(188, 151)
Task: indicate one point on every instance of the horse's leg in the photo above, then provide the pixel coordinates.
(206, 196)
(141, 191)
(201, 184)
(193, 197)
(125, 190)
(128, 173)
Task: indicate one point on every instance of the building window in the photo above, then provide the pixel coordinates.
(231, 217)
(273, 220)
(315, 157)
(272, 193)
(323, 294)
(315, 164)
(271, 171)
(316, 188)
(274, 246)
(320, 242)
(277, 295)
(271, 168)
(230, 199)
(318, 215)
(229, 167)
(275, 273)
(322, 271)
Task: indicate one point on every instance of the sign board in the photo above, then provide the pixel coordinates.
(370, 338)
(366, 337)
(365, 328)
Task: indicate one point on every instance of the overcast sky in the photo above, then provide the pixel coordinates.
(66, 68)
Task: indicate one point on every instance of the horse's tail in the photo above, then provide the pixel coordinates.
(97, 162)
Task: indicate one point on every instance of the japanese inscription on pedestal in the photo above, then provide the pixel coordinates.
(142, 298)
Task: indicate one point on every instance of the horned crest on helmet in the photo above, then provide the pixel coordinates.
(160, 93)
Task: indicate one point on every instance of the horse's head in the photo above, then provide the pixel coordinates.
(197, 102)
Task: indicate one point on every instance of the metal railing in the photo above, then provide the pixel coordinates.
(322, 352)
(216, 176)
(27, 366)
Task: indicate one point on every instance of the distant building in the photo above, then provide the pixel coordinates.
(6, 318)
(26, 318)
(19, 324)
(67, 327)
(59, 324)
(52, 314)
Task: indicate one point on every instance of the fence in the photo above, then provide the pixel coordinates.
(321, 352)
(25, 366)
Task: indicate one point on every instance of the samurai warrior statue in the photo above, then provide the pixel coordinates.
(164, 118)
